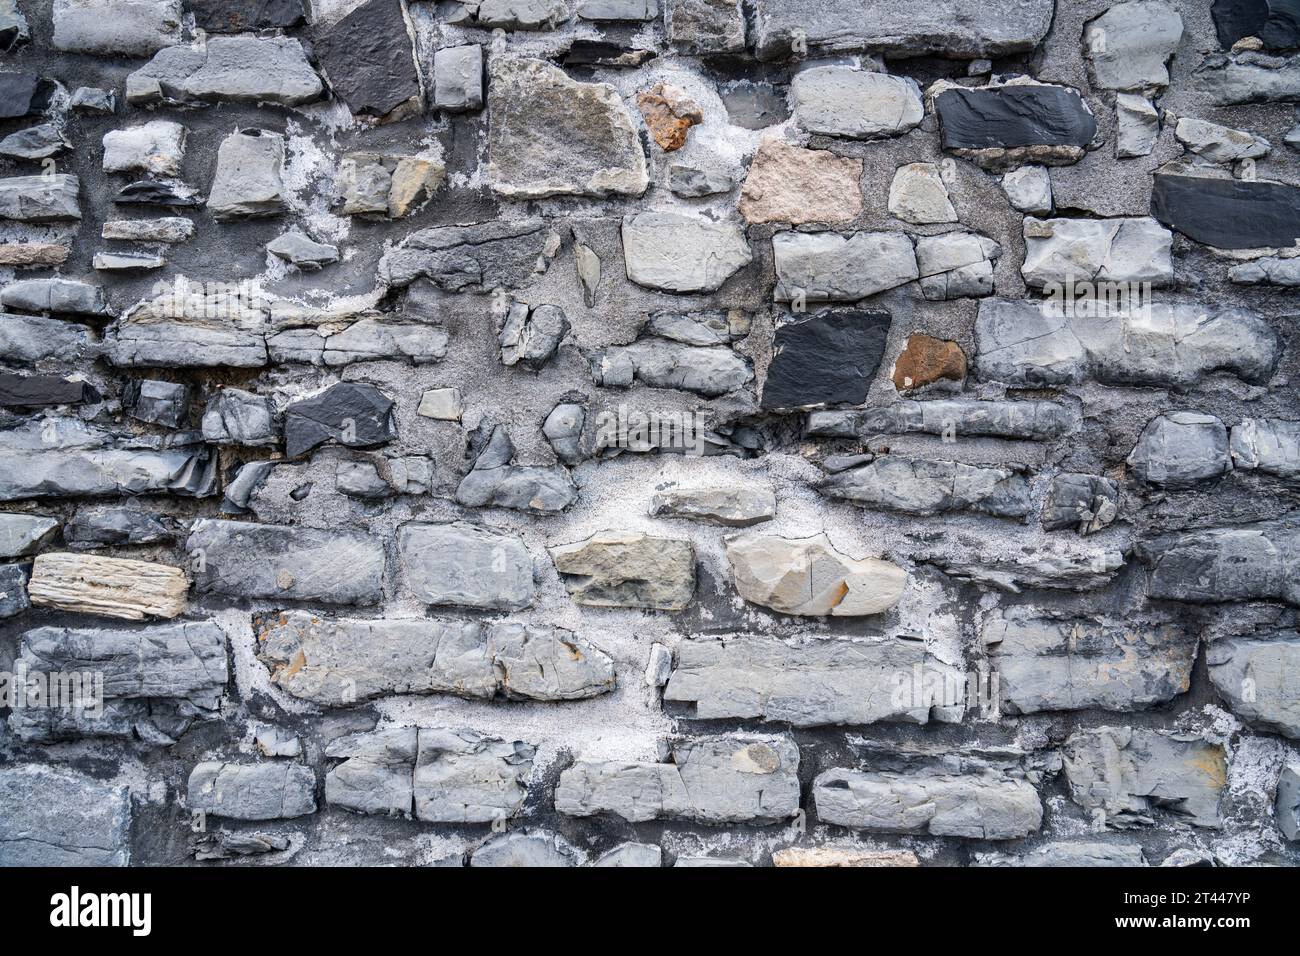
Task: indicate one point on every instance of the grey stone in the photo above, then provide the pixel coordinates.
(245, 560)
(726, 779)
(159, 403)
(661, 364)
(170, 229)
(97, 527)
(91, 99)
(809, 577)
(531, 850)
(705, 26)
(333, 662)
(35, 142)
(370, 339)
(1056, 567)
(813, 682)
(361, 479)
(303, 252)
(1288, 801)
(22, 534)
(236, 16)
(237, 69)
(917, 195)
(247, 180)
(1086, 503)
(55, 817)
(441, 404)
(494, 482)
(1029, 189)
(659, 667)
(1260, 680)
(1137, 126)
(58, 296)
(465, 777)
(64, 457)
(632, 854)
(466, 566)
(731, 507)
(1096, 250)
(377, 773)
(1071, 853)
(473, 258)
(1268, 445)
(563, 429)
(1027, 343)
(13, 25)
(40, 198)
(352, 414)
(458, 78)
(530, 103)
(927, 487)
(1219, 144)
(224, 845)
(843, 101)
(678, 252)
(531, 336)
(107, 27)
(240, 489)
(236, 417)
(127, 261)
(1247, 562)
(156, 147)
(1181, 449)
(1230, 80)
(1046, 664)
(606, 10)
(13, 590)
(981, 806)
(754, 106)
(829, 267)
(510, 14)
(962, 417)
(1123, 775)
(1270, 270)
(700, 328)
(690, 182)
(27, 339)
(964, 29)
(956, 264)
(625, 569)
(275, 790)
(1131, 43)
(164, 344)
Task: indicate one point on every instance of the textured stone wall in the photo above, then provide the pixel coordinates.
(649, 432)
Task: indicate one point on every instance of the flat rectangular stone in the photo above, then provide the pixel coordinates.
(275, 790)
(112, 587)
(54, 817)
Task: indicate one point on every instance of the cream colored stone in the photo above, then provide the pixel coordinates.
(113, 587)
(808, 577)
(790, 184)
(842, 856)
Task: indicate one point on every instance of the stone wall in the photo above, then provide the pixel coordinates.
(649, 432)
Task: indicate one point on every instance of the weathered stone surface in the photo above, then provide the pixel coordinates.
(112, 587)
(1219, 144)
(755, 105)
(998, 127)
(605, 10)
(700, 328)
(441, 404)
(160, 403)
(355, 415)
(13, 590)
(926, 361)
(275, 790)
(1228, 213)
(1056, 567)
(238, 16)
(246, 560)
(624, 569)
(690, 182)
(107, 27)
(371, 339)
(790, 184)
(531, 336)
(466, 566)
(1271, 270)
(170, 229)
(156, 147)
(92, 99)
(1044, 664)
(40, 198)
(22, 535)
(829, 267)
(35, 391)
(843, 101)
(55, 817)
(678, 252)
(832, 856)
(810, 578)
(1123, 775)
(236, 417)
(1273, 22)
(1180, 449)
(563, 430)
(1129, 45)
(550, 135)
(922, 487)
(162, 344)
(95, 527)
(531, 850)
(510, 14)
(732, 507)
(1029, 420)
(465, 777)
(669, 113)
(240, 69)
(1137, 126)
(725, 779)
(24, 94)
(341, 661)
(956, 264)
(1071, 853)
(956, 28)
(661, 364)
(63, 457)
(494, 482)
(302, 251)
(126, 261)
(1268, 445)
(1288, 801)
(369, 59)
(1243, 563)
(981, 806)
(631, 854)
(810, 683)
(1029, 189)
(1260, 680)
(146, 192)
(473, 258)
(458, 78)
(1025, 343)
(377, 773)
(827, 359)
(35, 142)
(13, 25)
(1096, 250)
(27, 254)
(705, 26)
(247, 180)
(917, 195)
(1086, 503)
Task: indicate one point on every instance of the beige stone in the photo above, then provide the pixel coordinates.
(441, 404)
(414, 179)
(113, 587)
(918, 195)
(809, 578)
(842, 856)
(33, 254)
(626, 569)
(795, 185)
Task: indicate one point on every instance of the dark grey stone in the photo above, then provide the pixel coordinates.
(368, 59)
(1086, 503)
(1228, 213)
(99, 527)
(156, 402)
(57, 296)
(1249, 562)
(236, 417)
(24, 94)
(829, 358)
(1275, 22)
(32, 391)
(933, 487)
(358, 416)
(13, 590)
(1013, 116)
(494, 482)
(245, 16)
(475, 258)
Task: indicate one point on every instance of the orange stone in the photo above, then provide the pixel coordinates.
(926, 360)
(669, 115)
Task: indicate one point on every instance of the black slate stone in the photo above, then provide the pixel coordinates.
(159, 403)
(359, 416)
(1275, 22)
(241, 16)
(23, 94)
(827, 359)
(367, 59)
(146, 192)
(32, 391)
(1010, 116)
(104, 527)
(1228, 213)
